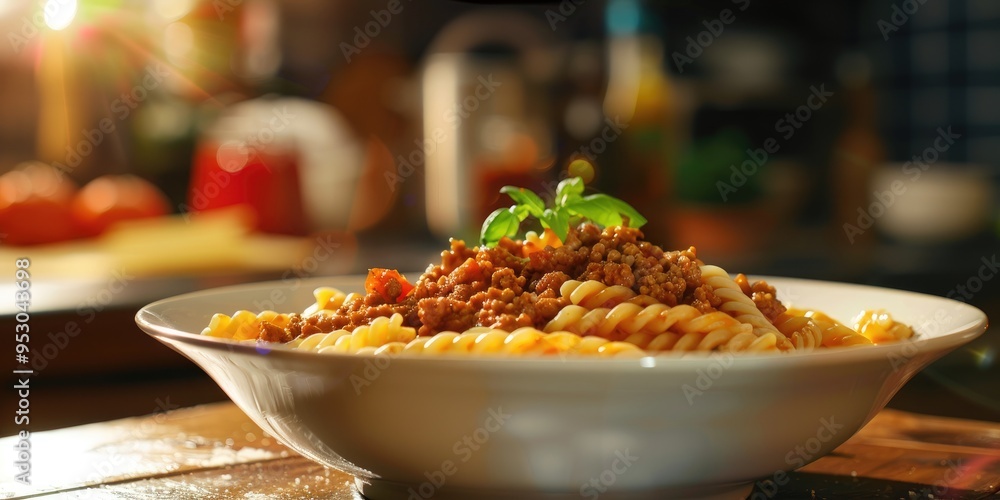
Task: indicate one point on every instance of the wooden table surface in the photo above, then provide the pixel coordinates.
(215, 451)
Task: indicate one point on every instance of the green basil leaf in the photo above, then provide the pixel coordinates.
(526, 198)
(635, 219)
(570, 205)
(608, 211)
(521, 211)
(502, 222)
(569, 190)
(557, 220)
(598, 210)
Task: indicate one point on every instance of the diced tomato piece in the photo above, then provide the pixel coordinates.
(388, 284)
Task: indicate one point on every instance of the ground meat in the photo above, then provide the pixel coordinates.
(500, 288)
(610, 273)
(766, 298)
(270, 332)
(549, 284)
(763, 295)
(446, 314)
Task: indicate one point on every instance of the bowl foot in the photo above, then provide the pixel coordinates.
(386, 490)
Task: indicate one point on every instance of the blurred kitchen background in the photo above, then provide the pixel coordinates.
(150, 148)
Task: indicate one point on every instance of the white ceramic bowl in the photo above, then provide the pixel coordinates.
(655, 427)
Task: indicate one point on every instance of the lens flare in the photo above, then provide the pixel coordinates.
(984, 357)
(59, 13)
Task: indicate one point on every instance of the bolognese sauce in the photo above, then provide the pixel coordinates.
(511, 285)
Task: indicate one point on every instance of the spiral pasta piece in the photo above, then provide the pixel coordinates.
(327, 299)
(650, 327)
(593, 294)
(736, 303)
(835, 333)
(801, 331)
(523, 341)
(383, 330)
(621, 320)
(717, 339)
(751, 343)
(243, 325)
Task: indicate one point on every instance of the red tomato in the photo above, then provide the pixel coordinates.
(112, 198)
(35, 206)
(388, 284)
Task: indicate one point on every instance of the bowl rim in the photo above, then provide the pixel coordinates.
(152, 324)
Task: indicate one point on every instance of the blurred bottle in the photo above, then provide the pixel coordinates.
(486, 120)
(859, 150)
(163, 130)
(641, 116)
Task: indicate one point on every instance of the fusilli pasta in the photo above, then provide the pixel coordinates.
(482, 341)
(718, 339)
(525, 340)
(381, 331)
(736, 303)
(327, 299)
(801, 331)
(592, 294)
(243, 325)
(600, 320)
(622, 320)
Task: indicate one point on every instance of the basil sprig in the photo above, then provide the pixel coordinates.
(570, 206)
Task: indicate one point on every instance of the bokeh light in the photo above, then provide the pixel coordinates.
(172, 10)
(583, 169)
(178, 42)
(59, 13)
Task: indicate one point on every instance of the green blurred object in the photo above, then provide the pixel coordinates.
(709, 171)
